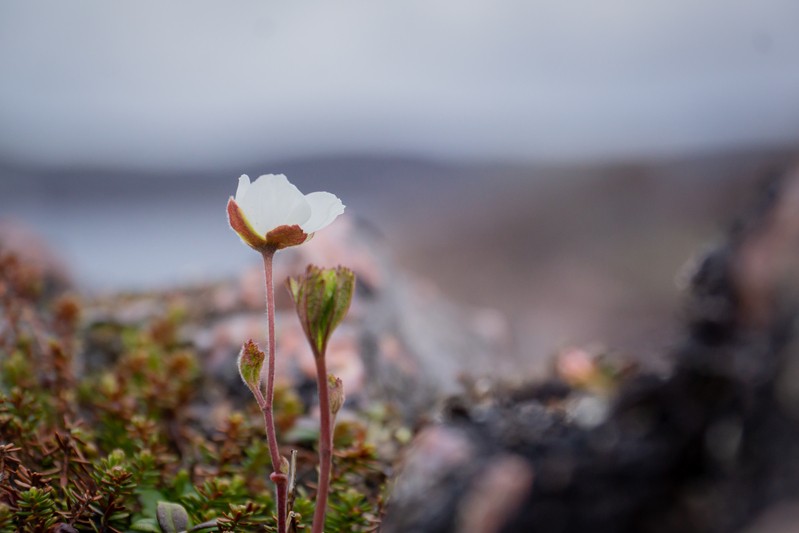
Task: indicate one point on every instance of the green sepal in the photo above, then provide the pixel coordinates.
(322, 298)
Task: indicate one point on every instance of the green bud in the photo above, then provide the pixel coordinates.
(322, 298)
(251, 360)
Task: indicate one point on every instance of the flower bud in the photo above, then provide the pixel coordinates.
(322, 298)
(335, 389)
(285, 467)
(251, 360)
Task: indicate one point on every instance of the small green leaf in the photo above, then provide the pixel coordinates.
(172, 517)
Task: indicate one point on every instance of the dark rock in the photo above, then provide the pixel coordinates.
(708, 448)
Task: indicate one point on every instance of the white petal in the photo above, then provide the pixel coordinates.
(271, 201)
(241, 190)
(325, 207)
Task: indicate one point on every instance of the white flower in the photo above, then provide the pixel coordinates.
(271, 213)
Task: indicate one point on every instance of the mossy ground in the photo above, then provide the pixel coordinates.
(94, 447)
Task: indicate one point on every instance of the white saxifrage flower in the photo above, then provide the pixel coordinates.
(271, 213)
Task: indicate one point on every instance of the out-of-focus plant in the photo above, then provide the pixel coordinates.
(322, 298)
(126, 439)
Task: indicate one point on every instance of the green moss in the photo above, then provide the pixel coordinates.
(98, 451)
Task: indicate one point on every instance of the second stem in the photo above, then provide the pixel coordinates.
(325, 445)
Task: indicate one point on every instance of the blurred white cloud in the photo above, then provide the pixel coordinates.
(197, 84)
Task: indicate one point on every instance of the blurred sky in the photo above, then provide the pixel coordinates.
(523, 155)
(187, 85)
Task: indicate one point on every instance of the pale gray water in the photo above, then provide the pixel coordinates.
(123, 230)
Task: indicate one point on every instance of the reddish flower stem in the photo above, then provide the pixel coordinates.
(325, 445)
(280, 480)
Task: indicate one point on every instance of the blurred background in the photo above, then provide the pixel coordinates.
(555, 165)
